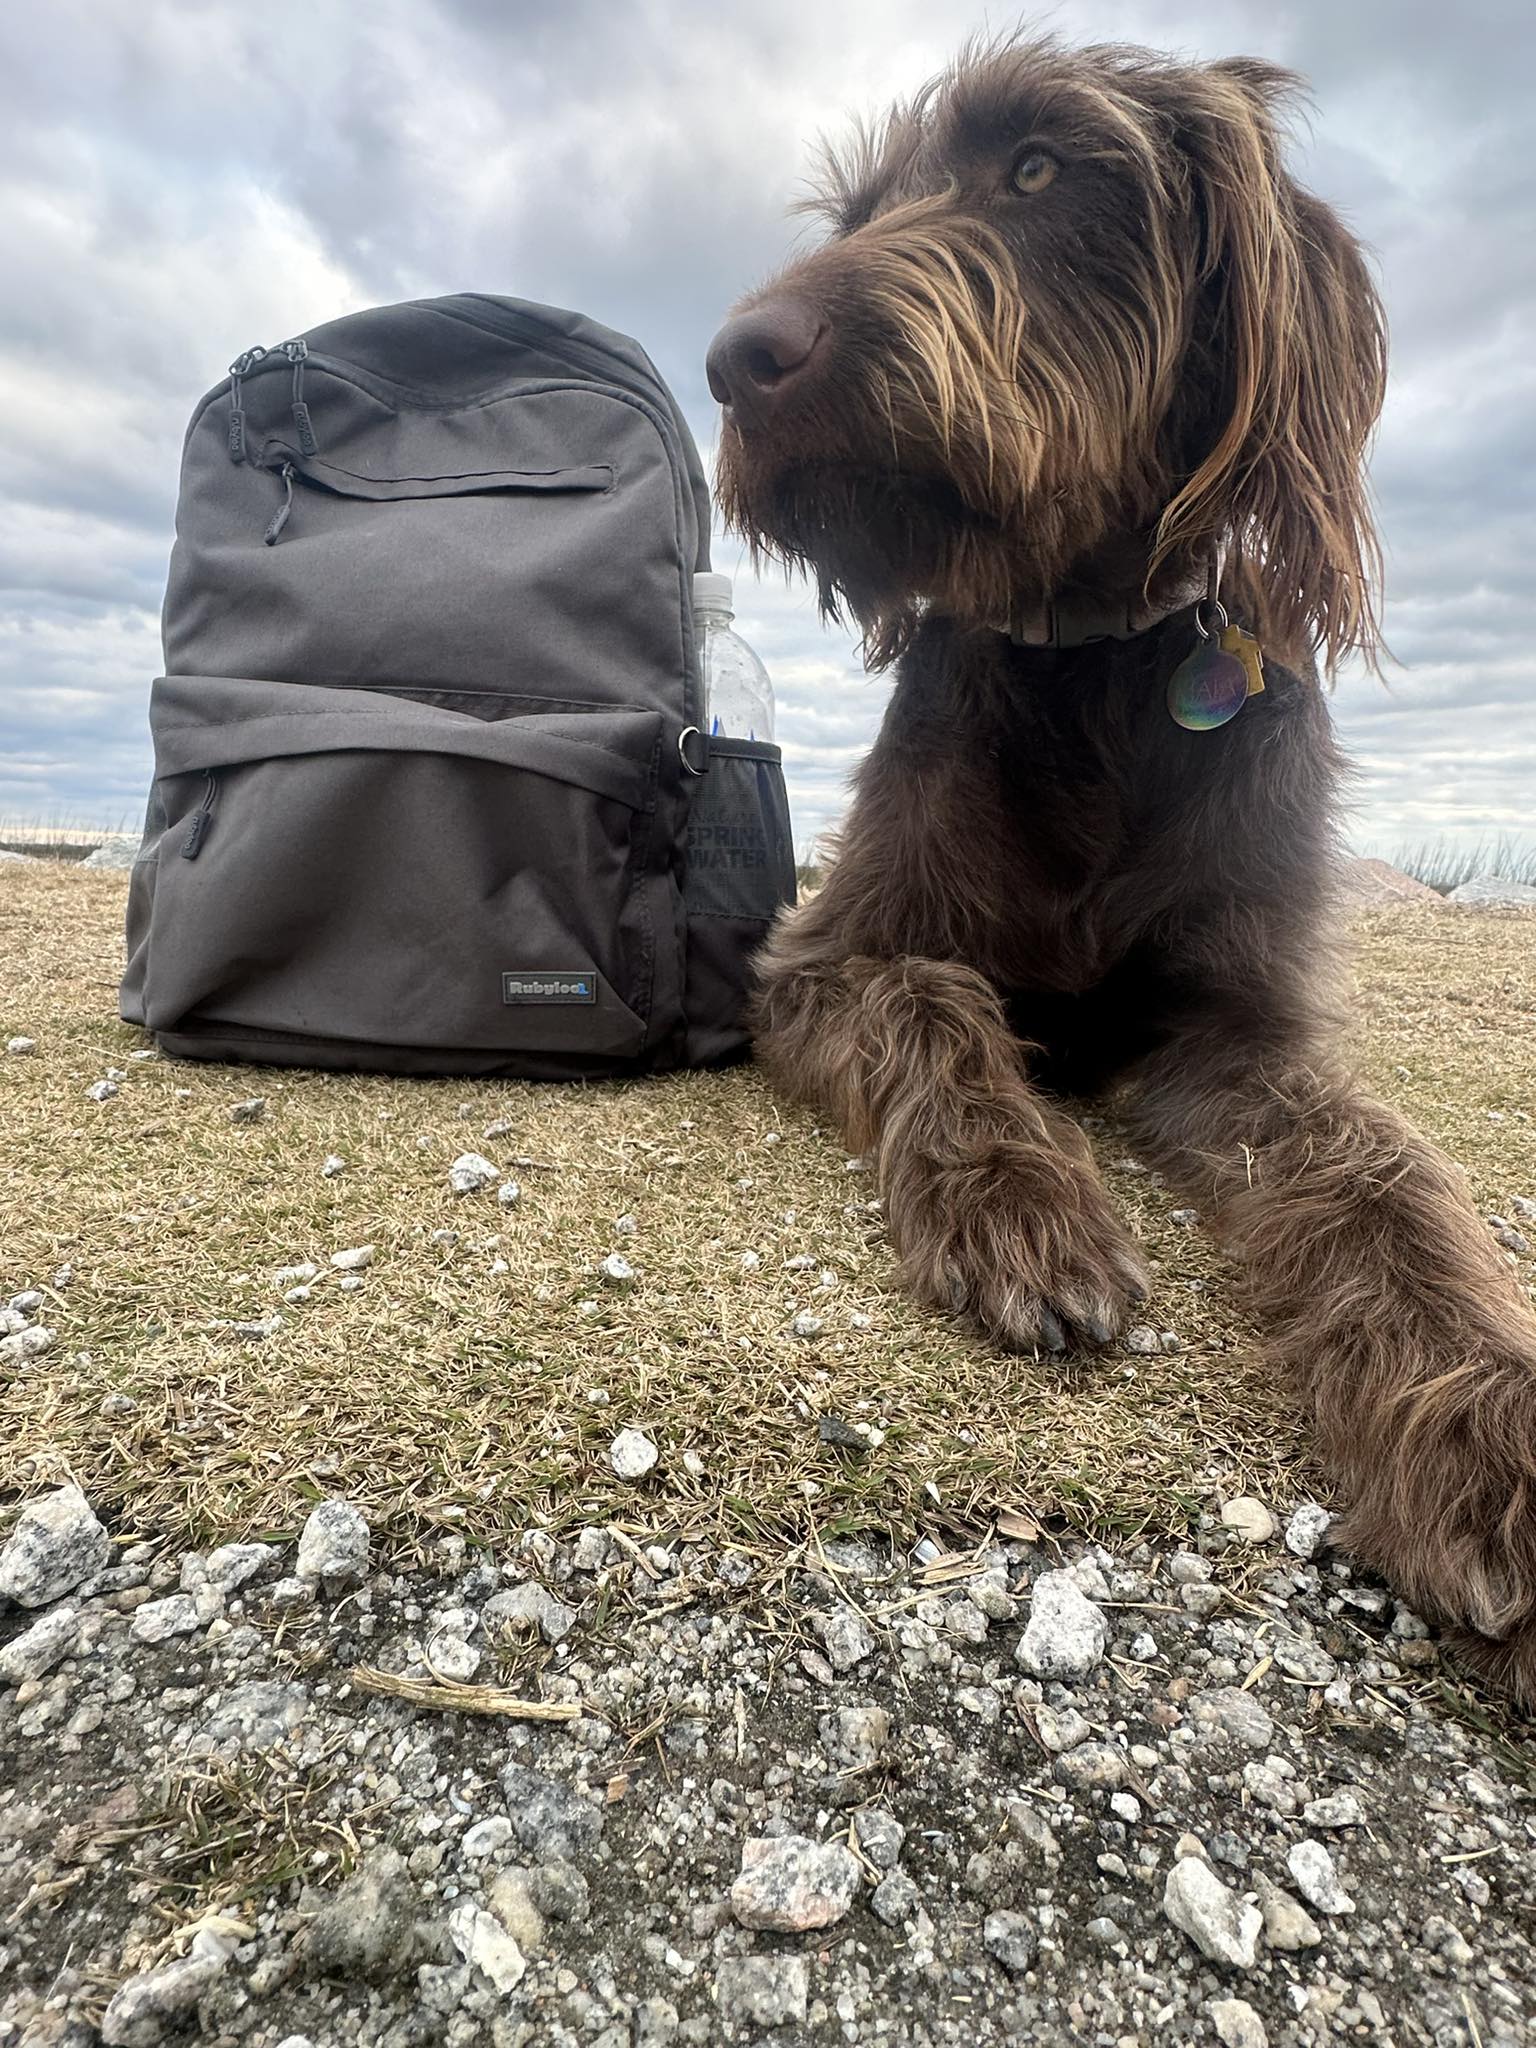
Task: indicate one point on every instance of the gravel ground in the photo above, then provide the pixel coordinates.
(1031, 1792)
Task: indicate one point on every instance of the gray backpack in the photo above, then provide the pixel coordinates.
(431, 791)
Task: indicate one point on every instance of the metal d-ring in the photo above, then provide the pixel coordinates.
(689, 732)
(1205, 631)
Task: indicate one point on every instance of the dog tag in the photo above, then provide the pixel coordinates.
(1235, 641)
(1208, 687)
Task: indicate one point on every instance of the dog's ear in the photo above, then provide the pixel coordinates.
(1287, 370)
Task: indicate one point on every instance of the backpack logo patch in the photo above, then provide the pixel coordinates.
(548, 988)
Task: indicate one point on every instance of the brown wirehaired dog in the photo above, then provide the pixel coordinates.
(1077, 353)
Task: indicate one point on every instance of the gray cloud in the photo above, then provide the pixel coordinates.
(177, 183)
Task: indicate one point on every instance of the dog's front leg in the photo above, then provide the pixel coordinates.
(991, 1197)
(1398, 1318)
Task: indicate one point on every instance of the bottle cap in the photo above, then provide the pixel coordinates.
(712, 589)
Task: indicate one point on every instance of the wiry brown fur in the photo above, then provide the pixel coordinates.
(1047, 888)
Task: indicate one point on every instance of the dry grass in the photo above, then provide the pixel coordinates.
(447, 1393)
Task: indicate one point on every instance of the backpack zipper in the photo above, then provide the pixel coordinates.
(197, 831)
(241, 367)
(279, 518)
(297, 354)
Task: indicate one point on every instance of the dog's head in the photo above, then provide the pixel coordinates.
(1072, 313)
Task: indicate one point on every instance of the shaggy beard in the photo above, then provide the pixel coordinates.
(883, 546)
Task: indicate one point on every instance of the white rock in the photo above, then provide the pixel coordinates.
(157, 1621)
(113, 853)
(1493, 889)
(453, 1658)
(763, 1991)
(1237, 2024)
(846, 1636)
(1216, 1920)
(617, 1270)
(331, 1165)
(296, 1276)
(101, 1091)
(259, 1331)
(632, 1454)
(334, 1544)
(1316, 1879)
(789, 1883)
(1337, 1810)
(806, 1324)
(470, 1172)
(1287, 1925)
(481, 1940)
(1240, 1715)
(36, 1650)
(25, 1344)
(57, 1542)
(250, 1111)
(20, 1047)
(1061, 1728)
(1305, 1531)
(349, 1283)
(1066, 1634)
(28, 1302)
(353, 1261)
(233, 1565)
(148, 2008)
(531, 1606)
(509, 1194)
(1250, 1518)
(1144, 1342)
(486, 1837)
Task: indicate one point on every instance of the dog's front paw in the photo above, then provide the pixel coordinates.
(1038, 1261)
(1439, 1469)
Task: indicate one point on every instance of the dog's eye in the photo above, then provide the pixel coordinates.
(1033, 171)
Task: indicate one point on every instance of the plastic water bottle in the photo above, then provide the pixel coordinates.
(738, 697)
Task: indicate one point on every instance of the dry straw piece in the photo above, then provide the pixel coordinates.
(446, 1696)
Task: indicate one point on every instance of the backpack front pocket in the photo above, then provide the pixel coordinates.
(364, 869)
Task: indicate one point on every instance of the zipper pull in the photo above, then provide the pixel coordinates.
(197, 831)
(280, 516)
(242, 366)
(297, 352)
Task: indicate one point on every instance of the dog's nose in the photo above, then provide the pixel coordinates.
(758, 358)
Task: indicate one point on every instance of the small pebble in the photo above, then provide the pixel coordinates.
(1250, 1518)
(470, 1172)
(632, 1454)
(1306, 1530)
(1316, 1879)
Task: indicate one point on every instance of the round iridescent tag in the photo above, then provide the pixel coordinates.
(1207, 688)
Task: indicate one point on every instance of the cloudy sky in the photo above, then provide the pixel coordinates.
(178, 181)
